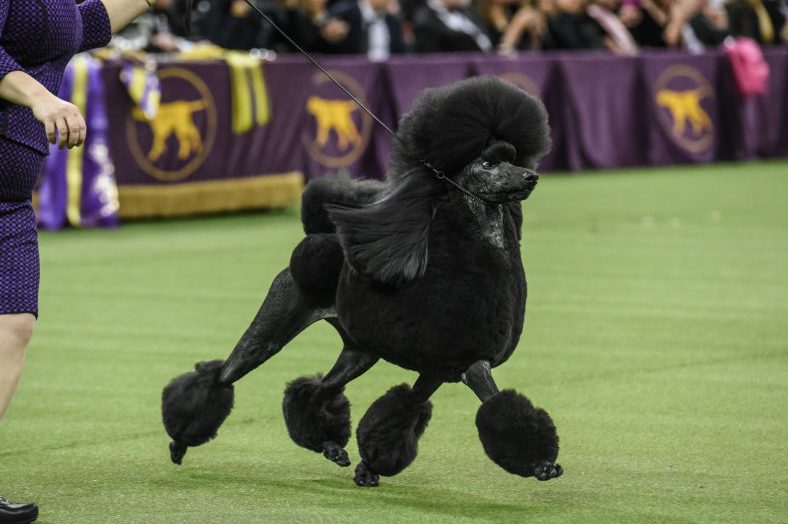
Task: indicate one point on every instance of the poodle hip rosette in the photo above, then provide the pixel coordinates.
(413, 270)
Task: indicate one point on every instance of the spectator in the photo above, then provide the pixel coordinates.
(617, 37)
(448, 26)
(527, 28)
(695, 25)
(513, 26)
(761, 20)
(177, 15)
(243, 29)
(374, 28)
(496, 15)
(572, 28)
(212, 22)
(152, 32)
(308, 23)
(646, 21)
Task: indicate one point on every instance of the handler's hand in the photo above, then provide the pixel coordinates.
(62, 121)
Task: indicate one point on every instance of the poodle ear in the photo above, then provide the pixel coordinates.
(515, 210)
(387, 239)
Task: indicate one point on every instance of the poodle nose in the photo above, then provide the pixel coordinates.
(530, 176)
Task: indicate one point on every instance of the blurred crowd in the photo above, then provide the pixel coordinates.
(380, 28)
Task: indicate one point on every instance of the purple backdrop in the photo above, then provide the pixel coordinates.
(606, 111)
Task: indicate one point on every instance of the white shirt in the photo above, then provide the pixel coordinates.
(378, 37)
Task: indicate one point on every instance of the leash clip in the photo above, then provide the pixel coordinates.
(440, 175)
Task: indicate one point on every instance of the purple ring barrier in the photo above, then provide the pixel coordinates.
(226, 132)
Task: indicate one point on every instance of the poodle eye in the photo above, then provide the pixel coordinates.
(487, 164)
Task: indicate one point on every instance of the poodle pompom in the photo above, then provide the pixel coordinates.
(339, 190)
(389, 432)
(516, 435)
(450, 126)
(315, 414)
(193, 406)
(316, 263)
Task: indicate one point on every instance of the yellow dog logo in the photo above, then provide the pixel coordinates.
(189, 123)
(684, 106)
(680, 94)
(174, 118)
(337, 116)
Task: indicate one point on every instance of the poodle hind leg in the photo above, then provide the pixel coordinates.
(389, 432)
(517, 436)
(195, 405)
(316, 411)
(286, 311)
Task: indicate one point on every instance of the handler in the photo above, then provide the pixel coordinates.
(37, 39)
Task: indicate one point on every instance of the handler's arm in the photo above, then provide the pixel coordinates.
(122, 12)
(57, 115)
(18, 87)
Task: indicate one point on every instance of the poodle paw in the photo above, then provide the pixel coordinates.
(547, 471)
(335, 453)
(365, 477)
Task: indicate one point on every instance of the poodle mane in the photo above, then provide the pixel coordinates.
(387, 239)
(448, 127)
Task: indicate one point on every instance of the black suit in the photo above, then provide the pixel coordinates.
(568, 31)
(744, 20)
(433, 36)
(357, 39)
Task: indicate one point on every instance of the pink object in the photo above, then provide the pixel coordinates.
(749, 68)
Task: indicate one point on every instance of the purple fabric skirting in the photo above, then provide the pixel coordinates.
(19, 261)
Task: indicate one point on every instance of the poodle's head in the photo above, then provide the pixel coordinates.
(482, 134)
(494, 177)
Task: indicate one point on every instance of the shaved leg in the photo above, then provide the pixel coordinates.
(352, 362)
(350, 365)
(285, 312)
(479, 378)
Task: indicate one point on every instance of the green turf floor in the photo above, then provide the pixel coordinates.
(656, 336)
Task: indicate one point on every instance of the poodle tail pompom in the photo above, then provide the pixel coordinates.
(193, 407)
(337, 190)
(516, 435)
(316, 263)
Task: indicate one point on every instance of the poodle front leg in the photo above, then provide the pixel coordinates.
(517, 436)
(388, 434)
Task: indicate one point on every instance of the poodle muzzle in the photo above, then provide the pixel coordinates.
(517, 184)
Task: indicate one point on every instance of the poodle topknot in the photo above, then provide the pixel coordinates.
(451, 125)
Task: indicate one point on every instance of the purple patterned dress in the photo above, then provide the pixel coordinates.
(38, 37)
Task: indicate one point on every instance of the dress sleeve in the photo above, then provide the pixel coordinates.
(7, 63)
(96, 31)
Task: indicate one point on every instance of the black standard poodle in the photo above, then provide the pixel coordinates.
(423, 270)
